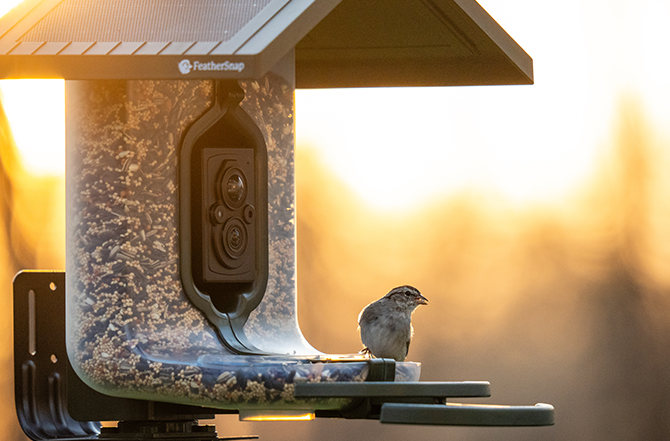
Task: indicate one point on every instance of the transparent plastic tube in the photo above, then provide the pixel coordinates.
(132, 332)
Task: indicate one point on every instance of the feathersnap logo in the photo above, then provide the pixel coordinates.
(186, 67)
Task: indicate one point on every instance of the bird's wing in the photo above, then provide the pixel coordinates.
(368, 312)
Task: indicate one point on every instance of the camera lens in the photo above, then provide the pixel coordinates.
(234, 188)
(234, 238)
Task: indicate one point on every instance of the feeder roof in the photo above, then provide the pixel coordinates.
(338, 43)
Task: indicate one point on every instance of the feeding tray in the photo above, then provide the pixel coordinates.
(52, 402)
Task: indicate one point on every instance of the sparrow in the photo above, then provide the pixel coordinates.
(386, 325)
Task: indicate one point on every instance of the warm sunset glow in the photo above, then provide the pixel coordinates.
(402, 147)
(399, 148)
(36, 112)
(276, 415)
(6, 5)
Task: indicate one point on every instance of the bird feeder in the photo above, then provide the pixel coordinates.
(180, 284)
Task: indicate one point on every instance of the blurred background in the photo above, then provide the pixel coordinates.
(536, 219)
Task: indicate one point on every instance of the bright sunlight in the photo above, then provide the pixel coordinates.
(402, 147)
(36, 112)
(6, 5)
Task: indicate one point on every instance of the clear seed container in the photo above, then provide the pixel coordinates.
(181, 282)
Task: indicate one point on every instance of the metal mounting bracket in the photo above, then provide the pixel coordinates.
(53, 403)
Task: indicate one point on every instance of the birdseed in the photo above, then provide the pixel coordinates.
(131, 329)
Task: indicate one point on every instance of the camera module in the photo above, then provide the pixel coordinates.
(229, 229)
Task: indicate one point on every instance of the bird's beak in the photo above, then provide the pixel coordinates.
(421, 300)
